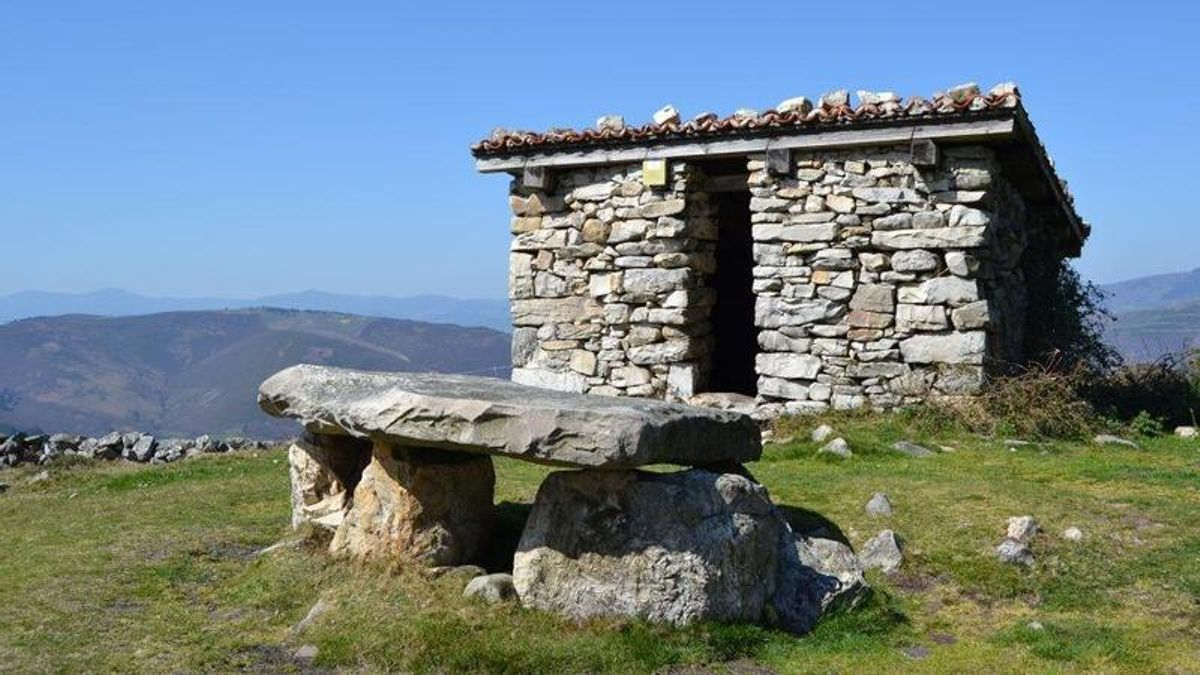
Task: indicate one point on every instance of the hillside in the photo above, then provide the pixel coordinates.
(117, 302)
(190, 373)
(1153, 292)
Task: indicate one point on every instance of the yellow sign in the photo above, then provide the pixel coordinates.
(654, 172)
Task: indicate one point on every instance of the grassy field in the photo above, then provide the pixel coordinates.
(153, 568)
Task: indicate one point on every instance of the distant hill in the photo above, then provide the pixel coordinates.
(1149, 334)
(190, 373)
(1153, 292)
(116, 302)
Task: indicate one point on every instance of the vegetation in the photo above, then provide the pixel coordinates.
(153, 568)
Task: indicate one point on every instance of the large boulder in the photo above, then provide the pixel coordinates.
(602, 543)
(419, 505)
(487, 416)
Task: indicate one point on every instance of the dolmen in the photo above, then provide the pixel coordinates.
(398, 467)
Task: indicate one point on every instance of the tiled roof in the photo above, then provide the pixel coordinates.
(832, 109)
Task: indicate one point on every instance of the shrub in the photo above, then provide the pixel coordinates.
(1145, 424)
(1040, 402)
(1065, 318)
(1165, 390)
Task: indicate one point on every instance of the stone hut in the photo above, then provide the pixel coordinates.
(809, 256)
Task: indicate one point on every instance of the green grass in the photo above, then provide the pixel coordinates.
(152, 568)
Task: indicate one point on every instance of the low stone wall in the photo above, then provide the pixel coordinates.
(132, 446)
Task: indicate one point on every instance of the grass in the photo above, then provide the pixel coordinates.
(152, 568)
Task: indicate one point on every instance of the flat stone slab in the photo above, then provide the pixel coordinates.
(496, 417)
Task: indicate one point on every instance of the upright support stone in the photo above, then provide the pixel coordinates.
(420, 505)
(324, 471)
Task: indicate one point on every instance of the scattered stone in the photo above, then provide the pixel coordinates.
(837, 446)
(884, 551)
(912, 449)
(314, 613)
(1073, 534)
(38, 477)
(491, 588)
(879, 505)
(832, 569)
(1109, 439)
(1186, 432)
(1022, 528)
(1014, 552)
(306, 653)
(286, 544)
(666, 115)
(1035, 625)
(821, 433)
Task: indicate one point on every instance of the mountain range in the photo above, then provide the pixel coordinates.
(1155, 315)
(191, 373)
(490, 313)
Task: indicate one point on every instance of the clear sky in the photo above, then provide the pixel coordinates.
(252, 147)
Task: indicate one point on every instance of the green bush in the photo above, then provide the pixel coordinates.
(1145, 424)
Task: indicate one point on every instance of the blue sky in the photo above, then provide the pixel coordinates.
(244, 148)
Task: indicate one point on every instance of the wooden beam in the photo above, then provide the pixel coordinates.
(784, 140)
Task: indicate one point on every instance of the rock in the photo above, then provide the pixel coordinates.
(466, 571)
(419, 504)
(835, 99)
(600, 543)
(821, 433)
(911, 318)
(1014, 552)
(884, 551)
(1108, 439)
(610, 123)
(879, 505)
(1022, 528)
(306, 653)
(948, 348)
(324, 471)
(837, 446)
(666, 115)
(943, 237)
(724, 401)
(1073, 534)
(789, 366)
(942, 290)
(874, 298)
(830, 570)
(38, 477)
(917, 260)
(912, 449)
(481, 415)
(491, 588)
(142, 449)
(1186, 432)
(1035, 625)
(972, 316)
(799, 105)
(279, 546)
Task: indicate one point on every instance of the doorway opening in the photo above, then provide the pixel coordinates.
(735, 339)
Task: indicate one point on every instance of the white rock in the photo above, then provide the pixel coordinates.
(944, 237)
(837, 446)
(1109, 439)
(610, 122)
(797, 104)
(949, 348)
(788, 366)
(1186, 432)
(941, 291)
(667, 114)
(1014, 552)
(879, 505)
(1022, 528)
(1073, 534)
(821, 433)
(884, 551)
(491, 588)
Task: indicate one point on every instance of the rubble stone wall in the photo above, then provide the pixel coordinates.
(607, 282)
(877, 282)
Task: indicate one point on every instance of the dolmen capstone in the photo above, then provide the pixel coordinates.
(397, 466)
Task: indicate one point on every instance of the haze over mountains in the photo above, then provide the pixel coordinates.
(190, 373)
(1155, 315)
(491, 313)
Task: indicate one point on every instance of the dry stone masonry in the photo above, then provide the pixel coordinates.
(397, 467)
(884, 250)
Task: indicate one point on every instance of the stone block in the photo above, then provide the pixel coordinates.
(788, 366)
(949, 348)
(946, 237)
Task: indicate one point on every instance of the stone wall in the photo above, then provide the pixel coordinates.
(877, 282)
(607, 283)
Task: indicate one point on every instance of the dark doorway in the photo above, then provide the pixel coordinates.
(735, 338)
